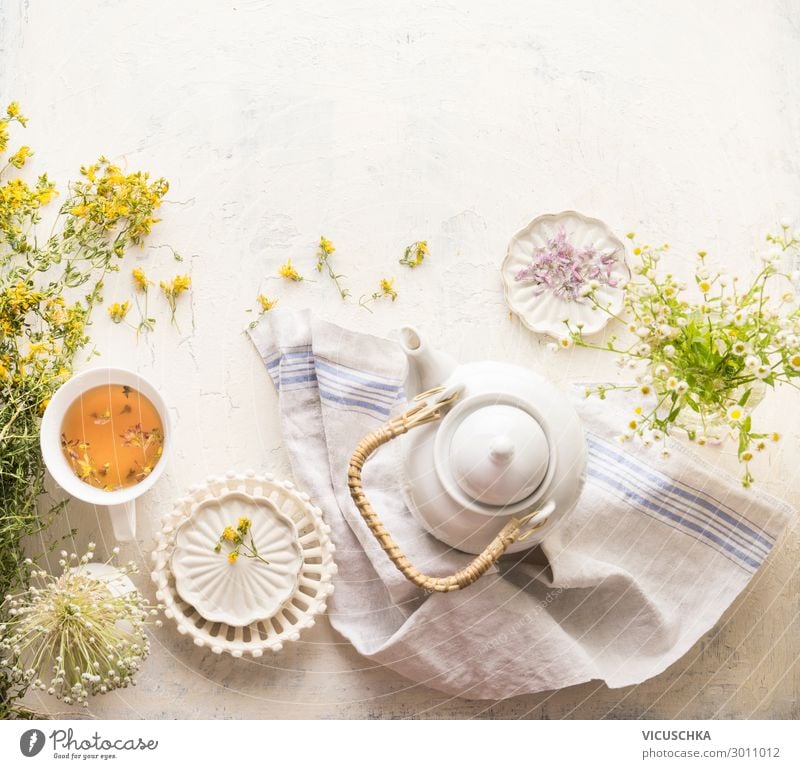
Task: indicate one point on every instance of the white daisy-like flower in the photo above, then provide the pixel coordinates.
(735, 413)
(762, 372)
(642, 332)
(751, 362)
(794, 361)
(565, 342)
(669, 350)
(672, 383)
(704, 286)
(740, 348)
(682, 387)
(661, 370)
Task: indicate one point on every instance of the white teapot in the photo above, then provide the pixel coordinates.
(500, 470)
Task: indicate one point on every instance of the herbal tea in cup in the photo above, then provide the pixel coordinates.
(112, 436)
(105, 438)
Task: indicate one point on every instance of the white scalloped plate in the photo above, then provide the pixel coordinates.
(246, 591)
(547, 312)
(297, 612)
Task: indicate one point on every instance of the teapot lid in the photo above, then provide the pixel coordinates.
(498, 454)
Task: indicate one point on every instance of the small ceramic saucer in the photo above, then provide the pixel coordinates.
(539, 307)
(247, 590)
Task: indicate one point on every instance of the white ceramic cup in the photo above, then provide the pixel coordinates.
(121, 504)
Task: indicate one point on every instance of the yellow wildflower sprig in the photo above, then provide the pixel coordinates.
(118, 311)
(265, 305)
(236, 537)
(172, 290)
(386, 290)
(287, 270)
(141, 284)
(326, 248)
(415, 254)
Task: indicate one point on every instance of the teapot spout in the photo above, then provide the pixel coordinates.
(428, 368)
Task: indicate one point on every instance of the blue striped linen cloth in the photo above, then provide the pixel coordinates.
(654, 553)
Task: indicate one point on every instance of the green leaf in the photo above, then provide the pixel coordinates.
(745, 397)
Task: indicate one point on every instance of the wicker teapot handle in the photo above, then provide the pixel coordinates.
(421, 414)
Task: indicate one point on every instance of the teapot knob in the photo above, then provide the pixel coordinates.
(501, 449)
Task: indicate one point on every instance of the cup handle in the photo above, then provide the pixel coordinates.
(123, 520)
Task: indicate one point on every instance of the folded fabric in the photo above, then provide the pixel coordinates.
(655, 551)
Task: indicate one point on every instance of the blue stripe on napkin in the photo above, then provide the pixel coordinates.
(678, 505)
(341, 387)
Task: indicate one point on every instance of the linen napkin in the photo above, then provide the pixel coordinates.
(653, 554)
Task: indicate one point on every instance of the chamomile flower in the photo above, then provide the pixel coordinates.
(735, 413)
(740, 348)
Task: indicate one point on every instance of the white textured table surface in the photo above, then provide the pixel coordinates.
(377, 124)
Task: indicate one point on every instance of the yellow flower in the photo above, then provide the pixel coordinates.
(14, 114)
(266, 304)
(176, 286)
(140, 279)
(775, 437)
(243, 525)
(326, 246)
(415, 254)
(638, 410)
(20, 156)
(747, 456)
(117, 311)
(704, 286)
(80, 210)
(288, 271)
(233, 556)
(45, 195)
(229, 533)
(387, 288)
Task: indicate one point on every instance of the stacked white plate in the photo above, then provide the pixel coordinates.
(254, 604)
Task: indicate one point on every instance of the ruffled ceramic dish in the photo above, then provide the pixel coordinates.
(314, 576)
(250, 589)
(543, 286)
